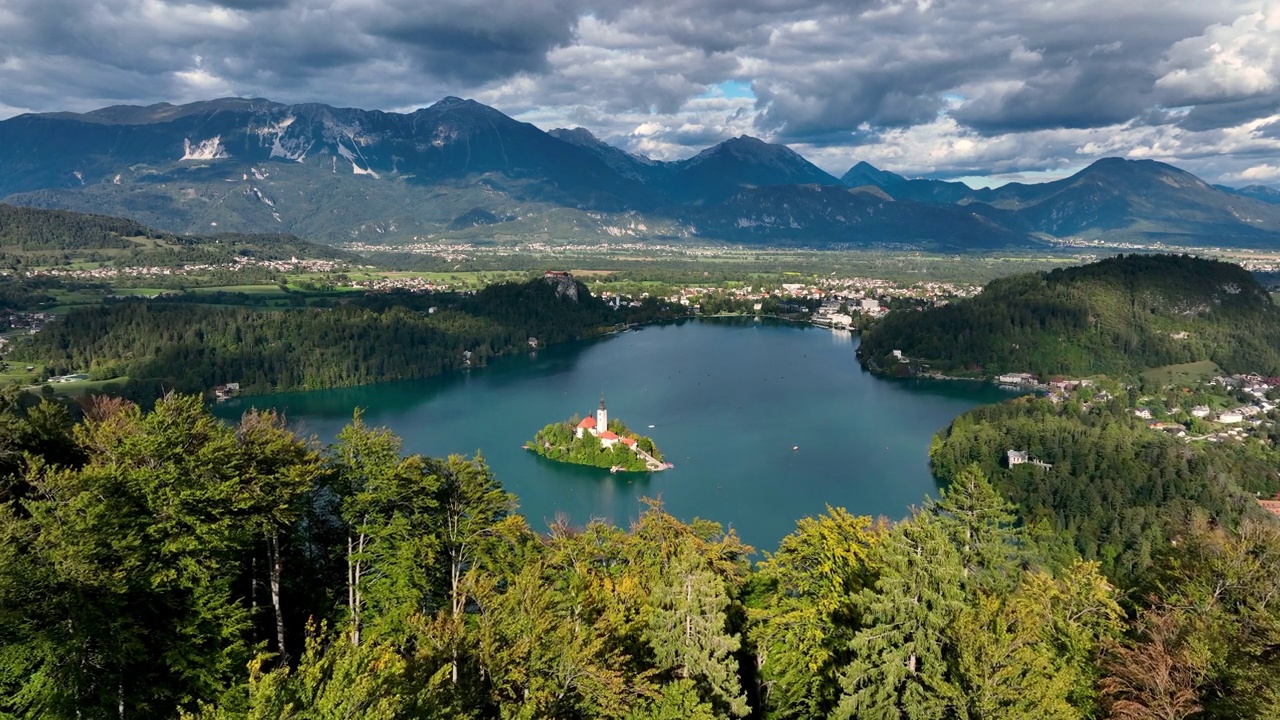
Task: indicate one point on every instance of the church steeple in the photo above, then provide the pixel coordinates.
(602, 416)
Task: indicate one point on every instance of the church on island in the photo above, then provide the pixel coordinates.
(598, 425)
(593, 442)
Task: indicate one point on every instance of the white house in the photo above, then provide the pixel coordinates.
(1020, 457)
(1016, 379)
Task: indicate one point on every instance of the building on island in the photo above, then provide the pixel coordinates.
(598, 425)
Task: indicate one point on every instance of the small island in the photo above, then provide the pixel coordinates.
(599, 442)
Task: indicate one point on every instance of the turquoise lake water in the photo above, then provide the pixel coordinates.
(728, 401)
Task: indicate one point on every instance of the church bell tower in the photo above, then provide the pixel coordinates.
(602, 416)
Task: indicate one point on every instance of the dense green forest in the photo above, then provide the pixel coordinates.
(559, 441)
(162, 564)
(188, 345)
(29, 293)
(1116, 316)
(1118, 490)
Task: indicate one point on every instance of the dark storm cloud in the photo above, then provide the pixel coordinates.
(1071, 96)
(924, 86)
(250, 4)
(378, 54)
(1213, 116)
(474, 41)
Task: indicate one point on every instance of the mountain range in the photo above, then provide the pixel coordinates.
(462, 170)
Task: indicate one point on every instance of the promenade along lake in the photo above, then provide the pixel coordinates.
(766, 423)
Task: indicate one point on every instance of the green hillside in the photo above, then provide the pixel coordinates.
(34, 237)
(1118, 316)
(189, 344)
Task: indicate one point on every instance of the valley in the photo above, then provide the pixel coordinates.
(326, 396)
(651, 360)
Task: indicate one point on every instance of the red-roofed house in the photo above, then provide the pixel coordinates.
(588, 424)
(629, 442)
(608, 439)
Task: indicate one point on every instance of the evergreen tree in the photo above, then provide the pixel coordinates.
(687, 630)
(900, 668)
(980, 525)
(1005, 667)
(806, 615)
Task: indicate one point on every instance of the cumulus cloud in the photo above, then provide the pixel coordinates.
(1264, 173)
(1226, 62)
(939, 88)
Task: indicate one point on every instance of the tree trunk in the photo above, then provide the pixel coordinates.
(455, 570)
(253, 597)
(354, 600)
(688, 625)
(277, 569)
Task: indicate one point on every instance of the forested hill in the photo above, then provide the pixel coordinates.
(186, 344)
(31, 236)
(1114, 490)
(1117, 316)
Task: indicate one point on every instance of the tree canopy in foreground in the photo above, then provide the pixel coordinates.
(157, 564)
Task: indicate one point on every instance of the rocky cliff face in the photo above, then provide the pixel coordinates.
(565, 286)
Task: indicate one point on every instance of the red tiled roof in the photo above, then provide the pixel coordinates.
(587, 422)
(1271, 505)
(628, 441)
(608, 435)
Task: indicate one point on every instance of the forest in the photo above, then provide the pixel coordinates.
(1117, 317)
(1116, 489)
(160, 563)
(190, 345)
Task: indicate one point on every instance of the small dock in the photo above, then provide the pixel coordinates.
(652, 463)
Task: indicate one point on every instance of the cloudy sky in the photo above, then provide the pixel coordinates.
(987, 90)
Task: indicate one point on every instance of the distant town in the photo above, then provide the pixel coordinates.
(109, 273)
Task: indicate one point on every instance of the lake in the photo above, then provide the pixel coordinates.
(766, 422)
